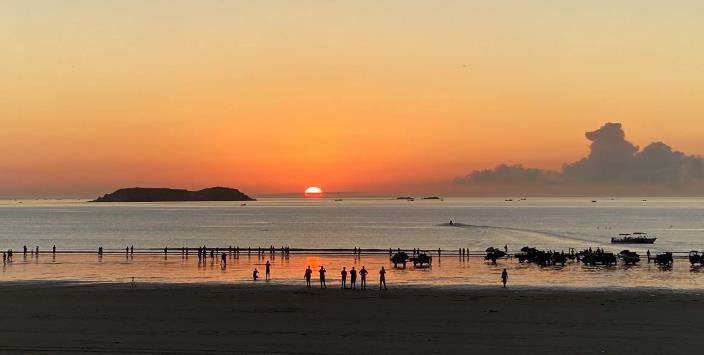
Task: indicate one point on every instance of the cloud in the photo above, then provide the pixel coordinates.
(612, 160)
(511, 174)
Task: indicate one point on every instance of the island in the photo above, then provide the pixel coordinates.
(158, 194)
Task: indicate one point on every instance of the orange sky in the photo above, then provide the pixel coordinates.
(377, 97)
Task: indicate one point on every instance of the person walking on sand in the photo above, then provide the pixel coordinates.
(343, 273)
(504, 277)
(382, 278)
(353, 278)
(322, 277)
(267, 271)
(363, 275)
(255, 274)
(307, 276)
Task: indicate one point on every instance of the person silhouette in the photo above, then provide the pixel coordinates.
(343, 273)
(322, 277)
(363, 275)
(506, 248)
(307, 276)
(382, 278)
(255, 274)
(504, 277)
(353, 278)
(267, 271)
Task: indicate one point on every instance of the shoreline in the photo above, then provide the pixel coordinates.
(214, 319)
(283, 286)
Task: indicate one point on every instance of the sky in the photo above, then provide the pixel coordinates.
(368, 97)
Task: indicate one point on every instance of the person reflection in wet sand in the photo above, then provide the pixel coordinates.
(504, 277)
(307, 276)
(382, 278)
(322, 277)
(363, 275)
(255, 274)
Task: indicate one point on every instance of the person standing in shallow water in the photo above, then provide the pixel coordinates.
(267, 270)
(504, 277)
(363, 275)
(322, 277)
(353, 278)
(307, 276)
(343, 273)
(255, 274)
(382, 278)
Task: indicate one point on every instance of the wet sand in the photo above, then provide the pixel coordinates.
(152, 318)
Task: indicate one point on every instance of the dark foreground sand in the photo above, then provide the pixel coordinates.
(208, 319)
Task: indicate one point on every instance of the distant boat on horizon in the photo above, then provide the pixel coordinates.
(635, 238)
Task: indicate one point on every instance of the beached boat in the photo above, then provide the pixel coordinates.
(635, 238)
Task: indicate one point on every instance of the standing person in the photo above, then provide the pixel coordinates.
(382, 278)
(504, 277)
(363, 275)
(353, 278)
(268, 270)
(255, 274)
(307, 276)
(343, 273)
(322, 277)
(53, 249)
(506, 248)
(223, 260)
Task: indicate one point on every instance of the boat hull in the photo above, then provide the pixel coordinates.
(638, 241)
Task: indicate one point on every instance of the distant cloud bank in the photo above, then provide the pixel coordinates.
(611, 160)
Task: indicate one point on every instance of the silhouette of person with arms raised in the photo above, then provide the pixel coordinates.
(353, 278)
(255, 274)
(267, 270)
(382, 278)
(343, 273)
(504, 277)
(363, 275)
(307, 276)
(322, 277)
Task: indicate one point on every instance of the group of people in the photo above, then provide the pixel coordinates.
(363, 272)
(353, 273)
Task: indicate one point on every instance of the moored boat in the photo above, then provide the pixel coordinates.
(635, 238)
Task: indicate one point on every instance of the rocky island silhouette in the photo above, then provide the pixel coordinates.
(160, 194)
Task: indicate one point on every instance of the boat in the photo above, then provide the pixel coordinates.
(635, 238)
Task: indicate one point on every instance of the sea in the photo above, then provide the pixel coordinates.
(367, 223)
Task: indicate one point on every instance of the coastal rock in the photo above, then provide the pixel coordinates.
(144, 194)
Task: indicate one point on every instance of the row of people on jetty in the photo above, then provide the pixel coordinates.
(308, 275)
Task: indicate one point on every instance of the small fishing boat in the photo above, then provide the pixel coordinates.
(635, 238)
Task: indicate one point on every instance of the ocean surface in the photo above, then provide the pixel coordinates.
(547, 223)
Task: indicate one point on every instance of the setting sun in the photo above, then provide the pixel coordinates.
(313, 191)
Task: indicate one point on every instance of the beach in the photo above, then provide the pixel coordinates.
(41, 317)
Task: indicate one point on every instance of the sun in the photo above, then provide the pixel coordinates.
(313, 191)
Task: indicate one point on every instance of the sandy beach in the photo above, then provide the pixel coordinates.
(206, 319)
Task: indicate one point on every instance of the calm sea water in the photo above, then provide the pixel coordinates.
(558, 223)
(308, 223)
